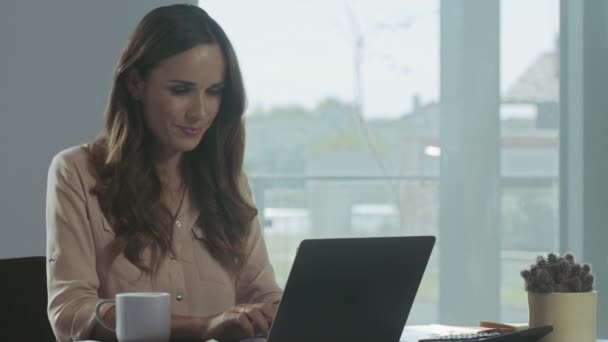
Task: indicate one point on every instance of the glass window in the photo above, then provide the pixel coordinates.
(529, 113)
(343, 133)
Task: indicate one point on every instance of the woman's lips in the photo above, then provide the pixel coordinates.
(190, 131)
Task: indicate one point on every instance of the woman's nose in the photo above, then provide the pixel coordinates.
(197, 111)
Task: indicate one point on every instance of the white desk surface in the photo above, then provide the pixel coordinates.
(413, 333)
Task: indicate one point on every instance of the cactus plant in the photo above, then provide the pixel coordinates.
(558, 274)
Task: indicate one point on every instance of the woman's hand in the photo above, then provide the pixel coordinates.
(240, 322)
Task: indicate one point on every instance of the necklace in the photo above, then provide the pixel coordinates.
(179, 207)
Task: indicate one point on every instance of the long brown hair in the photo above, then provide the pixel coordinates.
(128, 187)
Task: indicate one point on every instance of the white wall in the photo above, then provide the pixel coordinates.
(56, 61)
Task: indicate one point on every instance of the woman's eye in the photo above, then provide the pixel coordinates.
(216, 91)
(180, 90)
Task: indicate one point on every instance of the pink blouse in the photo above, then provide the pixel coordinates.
(78, 235)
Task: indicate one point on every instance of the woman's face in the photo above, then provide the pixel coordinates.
(182, 96)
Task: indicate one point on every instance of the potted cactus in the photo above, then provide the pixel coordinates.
(560, 293)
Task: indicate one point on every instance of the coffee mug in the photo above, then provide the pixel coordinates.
(140, 316)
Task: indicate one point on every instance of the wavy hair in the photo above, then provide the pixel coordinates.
(128, 187)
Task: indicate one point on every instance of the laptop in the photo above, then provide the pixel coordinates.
(354, 289)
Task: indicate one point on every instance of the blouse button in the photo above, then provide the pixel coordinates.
(178, 224)
(179, 297)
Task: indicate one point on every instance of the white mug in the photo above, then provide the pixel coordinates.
(140, 316)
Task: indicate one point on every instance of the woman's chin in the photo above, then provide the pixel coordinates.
(184, 148)
(188, 146)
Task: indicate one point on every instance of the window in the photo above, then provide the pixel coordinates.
(345, 134)
(529, 114)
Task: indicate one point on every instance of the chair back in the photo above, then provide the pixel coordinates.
(23, 300)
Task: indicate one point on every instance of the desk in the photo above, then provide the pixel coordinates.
(413, 333)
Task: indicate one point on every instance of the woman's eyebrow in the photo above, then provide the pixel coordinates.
(189, 83)
(183, 82)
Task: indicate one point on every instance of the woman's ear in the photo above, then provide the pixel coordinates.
(135, 84)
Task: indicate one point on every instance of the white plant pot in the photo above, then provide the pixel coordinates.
(572, 315)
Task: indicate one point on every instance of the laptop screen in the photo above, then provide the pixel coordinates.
(357, 289)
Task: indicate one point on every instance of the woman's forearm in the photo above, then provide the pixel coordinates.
(186, 328)
(102, 334)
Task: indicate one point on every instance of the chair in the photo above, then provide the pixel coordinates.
(23, 300)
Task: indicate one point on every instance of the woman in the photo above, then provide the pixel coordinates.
(158, 202)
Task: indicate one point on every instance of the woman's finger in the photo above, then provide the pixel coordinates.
(258, 319)
(245, 324)
(269, 311)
